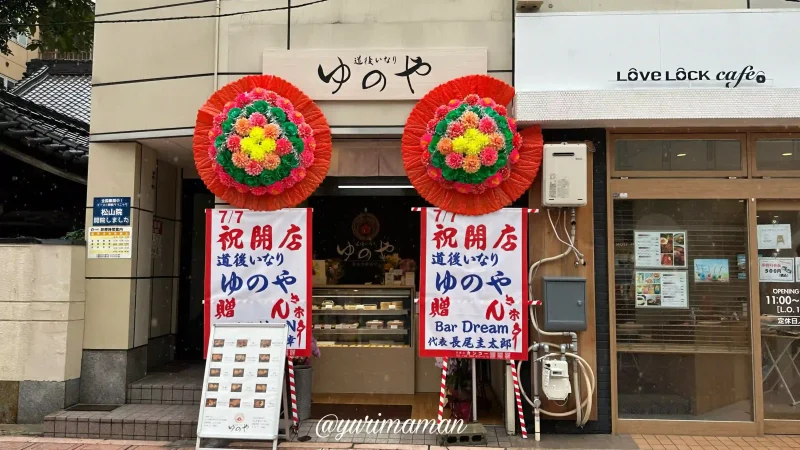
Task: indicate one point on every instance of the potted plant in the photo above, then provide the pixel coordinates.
(459, 388)
(302, 381)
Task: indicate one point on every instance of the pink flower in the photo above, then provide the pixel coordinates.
(241, 100)
(488, 156)
(212, 152)
(463, 188)
(259, 191)
(283, 146)
(297, 118)
(258, 93)
(430, 128)
(218, 119)
(453, 104)
(257, 120)
(216, 130)
(234, 142)
(454, 160)
(305, 131)
(494, 180)
(455, 129)
(505, 172)
(479, 188)
(435, 173)
(223, 176)
(472, 99)
(271, 97)
(297, 175)
(309, 144)
(487, 101)
(286, 105)
(513, 156)
(516, 141)
(307, 158)
(425, 141)
(512, 124)
(276, 187)
(253, 168)
(441, 112)
(501, 110)
(241, 188)
(425, 157)
(228, 106)
(486, 125)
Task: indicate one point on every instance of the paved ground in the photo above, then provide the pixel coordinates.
(599, 442)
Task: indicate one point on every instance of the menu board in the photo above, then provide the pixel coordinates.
(243, 382)
(776, 270)
(660, 249)
(661, 290)
(776, 236)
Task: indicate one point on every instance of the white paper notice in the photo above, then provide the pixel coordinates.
(776, 270)
(775, 236)
(660, 249)
(243, 382)
(661, 290)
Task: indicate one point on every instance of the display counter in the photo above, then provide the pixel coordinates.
(366, 336)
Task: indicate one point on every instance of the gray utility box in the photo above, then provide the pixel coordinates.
(564, 301)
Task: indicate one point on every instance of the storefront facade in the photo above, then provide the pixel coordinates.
(698, 169)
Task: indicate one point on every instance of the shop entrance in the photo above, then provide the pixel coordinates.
(366, 276)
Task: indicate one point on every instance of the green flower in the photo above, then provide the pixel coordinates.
(279, 114)
(297, 143)
(219, 142)
(261, 106)
(227, 126)
(290, 161)
(441, 128)
(290, 129)
(234, 113)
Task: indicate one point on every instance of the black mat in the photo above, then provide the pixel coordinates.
(355, 412)
(105, 408)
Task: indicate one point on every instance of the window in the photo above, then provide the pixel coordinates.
(663, 156)
(7, 83)
(776, 153)
(21, 39)
(681, 301)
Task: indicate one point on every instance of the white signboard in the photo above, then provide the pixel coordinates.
(373, 74)
(243, 382)
(775, 236)
(258, 269)
(110, 242)
(660, 249)
(662, 290)
(474, 285)
(776, 270)
(679, 49)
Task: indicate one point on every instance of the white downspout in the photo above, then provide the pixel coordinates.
(216, 45)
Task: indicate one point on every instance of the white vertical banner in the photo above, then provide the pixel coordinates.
(258, 270)
(474, 286)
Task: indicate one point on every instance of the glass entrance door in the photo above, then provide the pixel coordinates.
(777, 264)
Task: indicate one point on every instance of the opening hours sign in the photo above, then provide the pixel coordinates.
(258, 270)
(474, 286)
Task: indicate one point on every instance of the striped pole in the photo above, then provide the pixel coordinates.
(442, 391)
(519, 400)
(292, 392)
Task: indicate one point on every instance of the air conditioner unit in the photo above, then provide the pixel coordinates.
(564, 175)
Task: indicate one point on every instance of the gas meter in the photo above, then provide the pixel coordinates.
(555, 380)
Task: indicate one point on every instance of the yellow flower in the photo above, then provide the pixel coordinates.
(268, 145)
(248, 144)
(257, 154)
(460, 144)
(257, 133)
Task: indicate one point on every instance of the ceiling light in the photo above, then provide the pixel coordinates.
(375, 186)
(681, 154)
(786, 154)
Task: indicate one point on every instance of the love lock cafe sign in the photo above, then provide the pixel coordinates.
(373, 74)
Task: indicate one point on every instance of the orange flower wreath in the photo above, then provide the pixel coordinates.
(260, 143)
(463, 153)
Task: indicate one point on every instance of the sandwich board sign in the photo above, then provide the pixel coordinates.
(243, 384)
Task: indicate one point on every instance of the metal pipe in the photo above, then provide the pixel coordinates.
(216, 46)
(474, 393)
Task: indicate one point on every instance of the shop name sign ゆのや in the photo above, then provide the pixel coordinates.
(474, 289)
(373, 74)
(748, 76)
(258, 270)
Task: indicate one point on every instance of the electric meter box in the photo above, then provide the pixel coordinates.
(564, 302)
(564, 175)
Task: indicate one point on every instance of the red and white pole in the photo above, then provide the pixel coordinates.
(519, 400)
(442, 391)
(293, 392)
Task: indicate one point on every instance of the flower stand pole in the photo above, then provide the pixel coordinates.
(302, 378)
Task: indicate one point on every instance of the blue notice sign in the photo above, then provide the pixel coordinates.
(110, 211)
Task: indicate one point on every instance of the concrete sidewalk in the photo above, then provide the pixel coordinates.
(598, 442)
